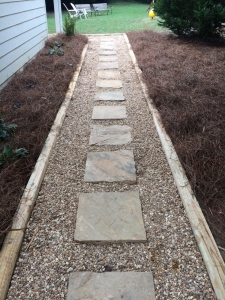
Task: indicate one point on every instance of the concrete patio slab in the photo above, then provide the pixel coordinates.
(116, 84)
(108, 58)
(107, 65)
(109, 74)
(111, 286)
(109, 96)
(114, 166)
(109, 112)
(110, 135)
(110, 217)
(107, 52)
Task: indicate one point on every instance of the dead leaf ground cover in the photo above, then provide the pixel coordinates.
(31, 100)
(185, 79)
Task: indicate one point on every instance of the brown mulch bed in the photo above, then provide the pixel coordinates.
(31, 100)
(185, 79)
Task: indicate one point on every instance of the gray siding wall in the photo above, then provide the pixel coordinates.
(23, 31)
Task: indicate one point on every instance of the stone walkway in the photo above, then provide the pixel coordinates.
(108, 220)
(112, 217)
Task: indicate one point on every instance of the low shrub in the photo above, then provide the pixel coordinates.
(69, 25)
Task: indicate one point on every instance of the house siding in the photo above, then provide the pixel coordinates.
(23, 31)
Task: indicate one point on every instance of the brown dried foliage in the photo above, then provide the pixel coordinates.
(186, 80)
(50, 76)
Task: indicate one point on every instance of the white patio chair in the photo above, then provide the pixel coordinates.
(72, 12)
(82, 12)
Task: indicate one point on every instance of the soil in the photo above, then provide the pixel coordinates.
(31, 100)
(185, 79)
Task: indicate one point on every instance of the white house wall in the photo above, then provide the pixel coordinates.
(23, 31)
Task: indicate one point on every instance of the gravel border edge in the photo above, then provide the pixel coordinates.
(206, 243)
(14, 239)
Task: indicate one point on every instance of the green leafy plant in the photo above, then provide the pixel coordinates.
(56, 48)
(8, 154)
(6, 130)
(69, 25)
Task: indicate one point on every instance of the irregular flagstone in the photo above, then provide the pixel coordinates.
(107, 65)
(111, 96)
(107, 52)
(110, 217)
(110, 135)
(109, 74)
(109, 112)
(115, 166)
(108, 58)
(111, 286)
(117, 84)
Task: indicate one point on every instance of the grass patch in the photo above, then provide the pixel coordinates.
(125, 17)
(185, 79)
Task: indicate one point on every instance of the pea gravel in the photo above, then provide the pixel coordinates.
(49, 252)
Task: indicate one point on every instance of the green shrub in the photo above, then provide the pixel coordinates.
(197, 17)
(69, 25)
(6, 130)
(208, 17)
(56, 48)
(8, 154)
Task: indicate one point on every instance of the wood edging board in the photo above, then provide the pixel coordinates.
(206, 243)
(14, 239)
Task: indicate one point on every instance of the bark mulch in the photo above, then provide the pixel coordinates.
(185, 79)
(31, 100)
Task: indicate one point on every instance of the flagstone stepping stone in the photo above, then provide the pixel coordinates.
(116, 84)
(109, 74)
(107, 47)
(109, 96)
(108, 65)
(110, 217)
(107, 52)
(110, 135)
(109, 112)
(107, 44)
(111, 286)
(108, 40)
(114, 166)
(108, 58)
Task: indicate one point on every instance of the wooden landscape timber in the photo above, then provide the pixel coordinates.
(206, 243)
(14, 239)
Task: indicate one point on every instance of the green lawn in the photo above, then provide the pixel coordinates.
(125, 17)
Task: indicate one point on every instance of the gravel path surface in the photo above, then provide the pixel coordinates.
(49, 252)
